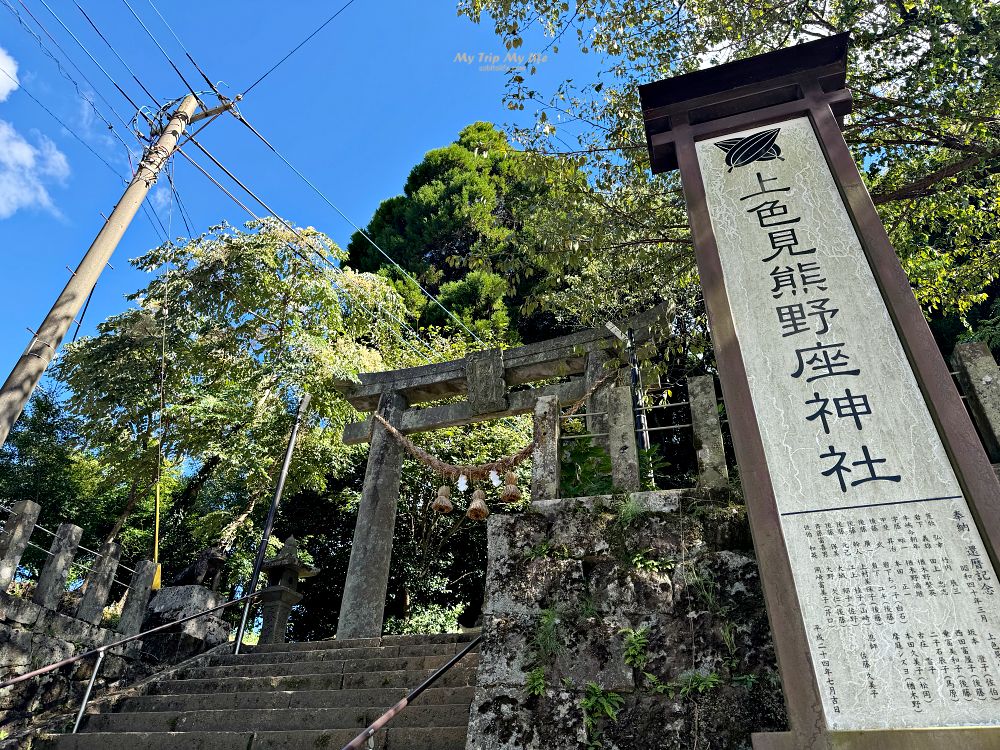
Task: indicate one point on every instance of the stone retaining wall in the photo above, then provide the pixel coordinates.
(633, 621)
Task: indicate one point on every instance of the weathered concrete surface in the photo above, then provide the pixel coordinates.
(485, 381)
(138, 598)
(567, 584)
(52, 580)
(979, 377)
(193, 637)
(14, 538)
(621, 440)
(545, 456)
(363, 606)
(712, 471)
(97, 587)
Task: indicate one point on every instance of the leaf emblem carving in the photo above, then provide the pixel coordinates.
(757, 147)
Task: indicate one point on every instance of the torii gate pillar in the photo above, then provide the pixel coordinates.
(363, 606)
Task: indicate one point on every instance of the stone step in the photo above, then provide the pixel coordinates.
(371, 652)
(328, 666)
(384, 697)
(386, 640)
(458, 676)
(394, 738)
(228, 720)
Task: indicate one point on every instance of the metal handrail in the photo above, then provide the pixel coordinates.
(359, 742)
(100, 652)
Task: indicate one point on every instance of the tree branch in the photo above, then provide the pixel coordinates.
(923, 186)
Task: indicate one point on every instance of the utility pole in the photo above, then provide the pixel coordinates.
(31, 366)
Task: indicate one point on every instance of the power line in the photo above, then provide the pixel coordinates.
(163, 229)
(238, 202)
(115, 53)
(177, 199)
(92, 58)
(146, 213)
(76, 67)
(398, 333)
(511, 422)
(55, 117)
(298, 46)
(64, 72)
(188, 54)
(164, 53)
(360, 231)
(288, 226)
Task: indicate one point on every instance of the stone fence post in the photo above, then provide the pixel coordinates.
(97, 587)
(545, 456)
(979, 377)
(52, 579)
(708, 446)
(14, 538)
(597, 404)
(140, 589)
(621, 440)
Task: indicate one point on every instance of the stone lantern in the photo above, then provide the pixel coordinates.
(283, 572)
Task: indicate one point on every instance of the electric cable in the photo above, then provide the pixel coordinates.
(298, 47)
(288, 226)
(510, 421)
(79, 90)
(258, 219)
(239, 116)
(186, 52)
(55, 117)
(115, 53)
(177, 199)
(92, 58)
(165, 55)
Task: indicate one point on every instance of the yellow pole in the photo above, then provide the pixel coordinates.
(156, 533)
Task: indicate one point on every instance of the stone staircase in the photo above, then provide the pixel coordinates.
(294, 695)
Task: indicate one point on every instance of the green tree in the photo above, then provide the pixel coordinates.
(42, 461)
(468, 207)
(925, 130)
(231, 329)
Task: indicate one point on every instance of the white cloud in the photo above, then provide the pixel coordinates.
(8, 71)
(26, 170)
(160, 198)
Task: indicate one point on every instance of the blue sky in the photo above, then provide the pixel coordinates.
(354, 109)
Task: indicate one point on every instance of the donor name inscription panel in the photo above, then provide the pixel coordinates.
(899, 597)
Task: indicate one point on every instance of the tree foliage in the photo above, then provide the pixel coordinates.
(467, 210)
(206, 368)
(925, 128)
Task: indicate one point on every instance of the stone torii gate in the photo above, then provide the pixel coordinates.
(485, 378)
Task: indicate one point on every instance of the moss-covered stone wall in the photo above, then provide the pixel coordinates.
(624, 622)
